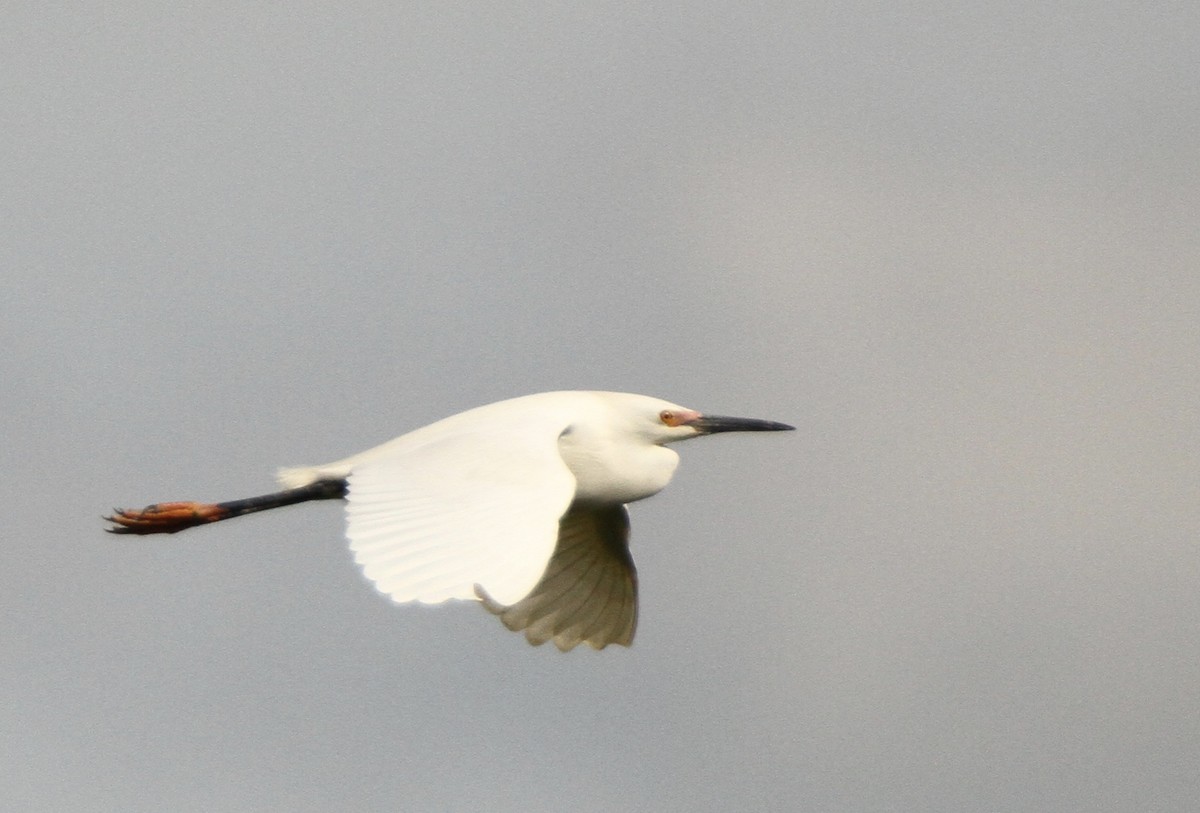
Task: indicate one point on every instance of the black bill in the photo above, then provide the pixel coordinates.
(711, 424)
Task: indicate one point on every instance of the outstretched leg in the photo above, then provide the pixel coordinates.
(170, 517)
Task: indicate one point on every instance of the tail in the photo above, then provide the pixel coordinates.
(297, 476)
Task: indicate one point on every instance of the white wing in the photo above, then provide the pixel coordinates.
(430, 519)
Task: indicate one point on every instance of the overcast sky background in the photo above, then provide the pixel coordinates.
(957, 247)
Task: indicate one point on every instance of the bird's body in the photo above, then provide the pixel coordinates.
(519, 504)
(597, 441)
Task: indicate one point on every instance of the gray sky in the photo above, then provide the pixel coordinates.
(956, 247)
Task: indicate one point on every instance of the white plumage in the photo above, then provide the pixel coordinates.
(518, 504)
(475, 499)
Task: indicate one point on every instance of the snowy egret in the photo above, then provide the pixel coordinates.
(519, 505)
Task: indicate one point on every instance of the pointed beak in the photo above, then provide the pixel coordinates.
(711, 424)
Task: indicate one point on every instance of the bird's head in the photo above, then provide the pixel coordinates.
(661, 422)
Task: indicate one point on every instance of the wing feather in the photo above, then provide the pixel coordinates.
(588, 593)
(428, 521)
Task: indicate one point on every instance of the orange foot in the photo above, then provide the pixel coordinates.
(164, 517)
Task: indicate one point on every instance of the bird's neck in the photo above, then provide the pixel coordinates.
(608, 473)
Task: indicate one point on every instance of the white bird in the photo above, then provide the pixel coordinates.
(518, 504)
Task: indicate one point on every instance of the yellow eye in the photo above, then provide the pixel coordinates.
(667, 417)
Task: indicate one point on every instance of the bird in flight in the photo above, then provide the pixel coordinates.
(519, 504)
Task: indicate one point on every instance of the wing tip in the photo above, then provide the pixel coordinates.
(541, 629)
